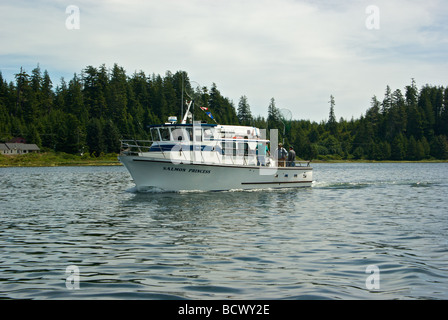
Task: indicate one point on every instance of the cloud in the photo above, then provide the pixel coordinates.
(299, 52)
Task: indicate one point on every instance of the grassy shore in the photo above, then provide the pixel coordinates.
(53, 159)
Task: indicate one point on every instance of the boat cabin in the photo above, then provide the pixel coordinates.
(201, 142)
(201, 132)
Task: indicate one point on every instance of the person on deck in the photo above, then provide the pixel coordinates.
(291, 157)
(281, 155)
(262, 151)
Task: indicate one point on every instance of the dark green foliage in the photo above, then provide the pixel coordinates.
(111, 138)
(95, 109)
(244, 113)
(95, 137)
(409, 126)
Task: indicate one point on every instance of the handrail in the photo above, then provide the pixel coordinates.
(204, 140)
(234, 153)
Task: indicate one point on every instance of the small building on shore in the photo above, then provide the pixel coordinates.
(3, 148)
(18, 148)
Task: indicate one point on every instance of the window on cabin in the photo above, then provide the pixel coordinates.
(165, 134)
(208, 135)
(179, 135)
(155, 134)
(189, 134)
(227, 134)
(226, 148)
(198, 134)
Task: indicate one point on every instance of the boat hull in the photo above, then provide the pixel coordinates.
(163, 175)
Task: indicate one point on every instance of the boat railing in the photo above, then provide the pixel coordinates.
(133, 147)
(299, 163)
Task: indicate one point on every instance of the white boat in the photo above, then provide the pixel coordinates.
(209, 157)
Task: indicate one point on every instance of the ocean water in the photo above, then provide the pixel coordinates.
(83, 233)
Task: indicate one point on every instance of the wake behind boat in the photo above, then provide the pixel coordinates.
(209, 157)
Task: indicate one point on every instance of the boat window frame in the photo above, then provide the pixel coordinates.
(208, 134)
(179, 132)
(155, 131)
(163, 136)
(198, 133)
(189, 131)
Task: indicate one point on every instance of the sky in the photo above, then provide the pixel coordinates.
(299, 52)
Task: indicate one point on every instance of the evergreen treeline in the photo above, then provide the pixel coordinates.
(95, 109)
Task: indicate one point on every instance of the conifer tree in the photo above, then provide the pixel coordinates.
(273, 115)
(332, 123)
(244, 113)
(100, 105)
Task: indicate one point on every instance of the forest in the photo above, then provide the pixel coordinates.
(91, 112)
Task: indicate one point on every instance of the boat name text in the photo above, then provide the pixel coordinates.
(186, 170)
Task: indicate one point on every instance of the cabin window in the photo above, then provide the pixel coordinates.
(189, 134)
(208, 135)
(179, 135)
(227, 134)
(198, 134)
(226, 148)
(155, 134)
(165, 134)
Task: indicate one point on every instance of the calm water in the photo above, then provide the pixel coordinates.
(313, 243)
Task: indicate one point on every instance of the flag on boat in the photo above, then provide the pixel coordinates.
(209, 114)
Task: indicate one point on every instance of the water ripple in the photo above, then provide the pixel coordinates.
(311, 243)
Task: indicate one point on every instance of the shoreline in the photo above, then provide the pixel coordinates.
(54, 159)
(64, 164)
(57, 159)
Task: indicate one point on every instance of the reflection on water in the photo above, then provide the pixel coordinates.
(307, 243)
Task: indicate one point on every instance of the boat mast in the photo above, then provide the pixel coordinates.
(182, 97)
(184, 120)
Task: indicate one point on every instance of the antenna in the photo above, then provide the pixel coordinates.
(285, 116)
(190, 103)
(182, 97)
(184, 120)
